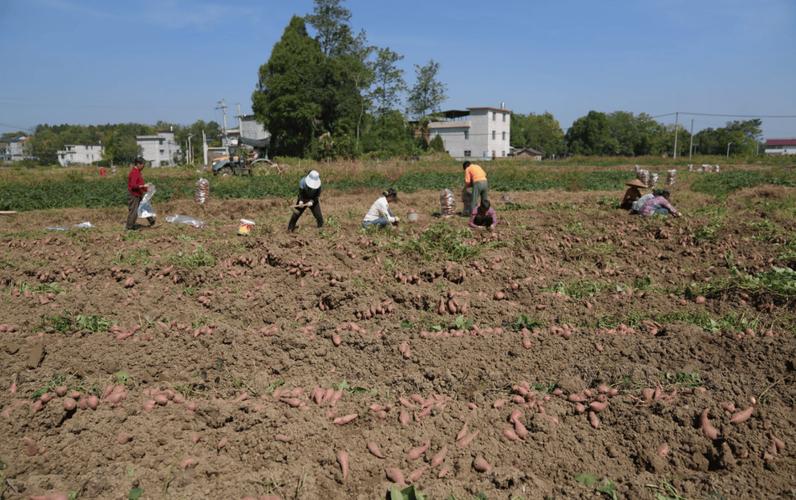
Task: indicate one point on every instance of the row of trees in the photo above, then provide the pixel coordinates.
(738, 137)
(388, 134)
(334, 95)
(118, 140)
(624, 134)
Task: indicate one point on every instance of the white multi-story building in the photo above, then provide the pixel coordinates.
(781, 147)
(79, 154)
(159, 150)
(478, 133)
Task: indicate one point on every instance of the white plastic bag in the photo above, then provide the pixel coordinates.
(184, 219)
(145, 209)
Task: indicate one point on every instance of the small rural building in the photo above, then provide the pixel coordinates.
(781, 147)
(527, 153)
(159, 150)
(14, 149)
(79, 154)
(474, 133)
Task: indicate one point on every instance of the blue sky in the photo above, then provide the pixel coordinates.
(100, 61)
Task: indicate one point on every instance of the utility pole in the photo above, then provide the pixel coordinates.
(728, 149)
(223, 107)
(204, 147)
(240, 126)
(676, 119)
(190, 151)
(691, 143)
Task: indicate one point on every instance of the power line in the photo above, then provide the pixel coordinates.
(724, 115)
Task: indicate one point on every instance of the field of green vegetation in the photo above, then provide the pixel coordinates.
(38, 188)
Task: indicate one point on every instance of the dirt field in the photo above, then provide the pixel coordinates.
(571, 354)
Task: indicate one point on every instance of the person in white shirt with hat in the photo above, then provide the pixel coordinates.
(308, 196)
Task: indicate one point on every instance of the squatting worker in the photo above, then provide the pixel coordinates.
(632, 194)
(136, 189)
(308, 196)
(659, 205)
(475, 178)
(483, 216)
(380, 214)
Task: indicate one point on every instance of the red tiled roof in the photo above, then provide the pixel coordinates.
(781, 142)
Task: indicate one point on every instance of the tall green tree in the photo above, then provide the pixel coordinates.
(590, 135)
(345, 76)
(332, 21)
(388, 135)
(428, 93)
(541, 132)
(388, 81)
(289, 95)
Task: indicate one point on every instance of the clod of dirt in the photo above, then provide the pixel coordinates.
(508, 477)
(35, 356)
(571, 384)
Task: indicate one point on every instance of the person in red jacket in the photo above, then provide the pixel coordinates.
(136, 189)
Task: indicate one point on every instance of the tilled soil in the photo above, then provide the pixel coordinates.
(565, 359)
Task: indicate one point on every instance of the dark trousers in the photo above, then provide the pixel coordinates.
(132, 207)
(316, 211)
(480, 190)
(132, 215)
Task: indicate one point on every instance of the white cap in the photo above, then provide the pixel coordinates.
(313, 180)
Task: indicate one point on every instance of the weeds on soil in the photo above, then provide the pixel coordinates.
(577, 289)
(525, 321)
(408, 493)
(441, 241)
(606, 486)
(92, 323)
(54, 382)
(665, 491)
(198, 258)
(138, 256)
(685, 379)
(778, 283)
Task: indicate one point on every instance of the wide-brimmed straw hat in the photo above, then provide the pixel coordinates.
(636, 183)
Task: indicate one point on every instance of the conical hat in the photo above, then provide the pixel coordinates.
(636, 183)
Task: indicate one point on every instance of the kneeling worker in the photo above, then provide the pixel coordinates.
(380, 214)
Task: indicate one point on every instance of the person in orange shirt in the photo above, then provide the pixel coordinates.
(475, 178)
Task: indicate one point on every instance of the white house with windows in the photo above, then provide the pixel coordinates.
(781, 147)
(159, 150)
(79, 154)
(477, 133)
